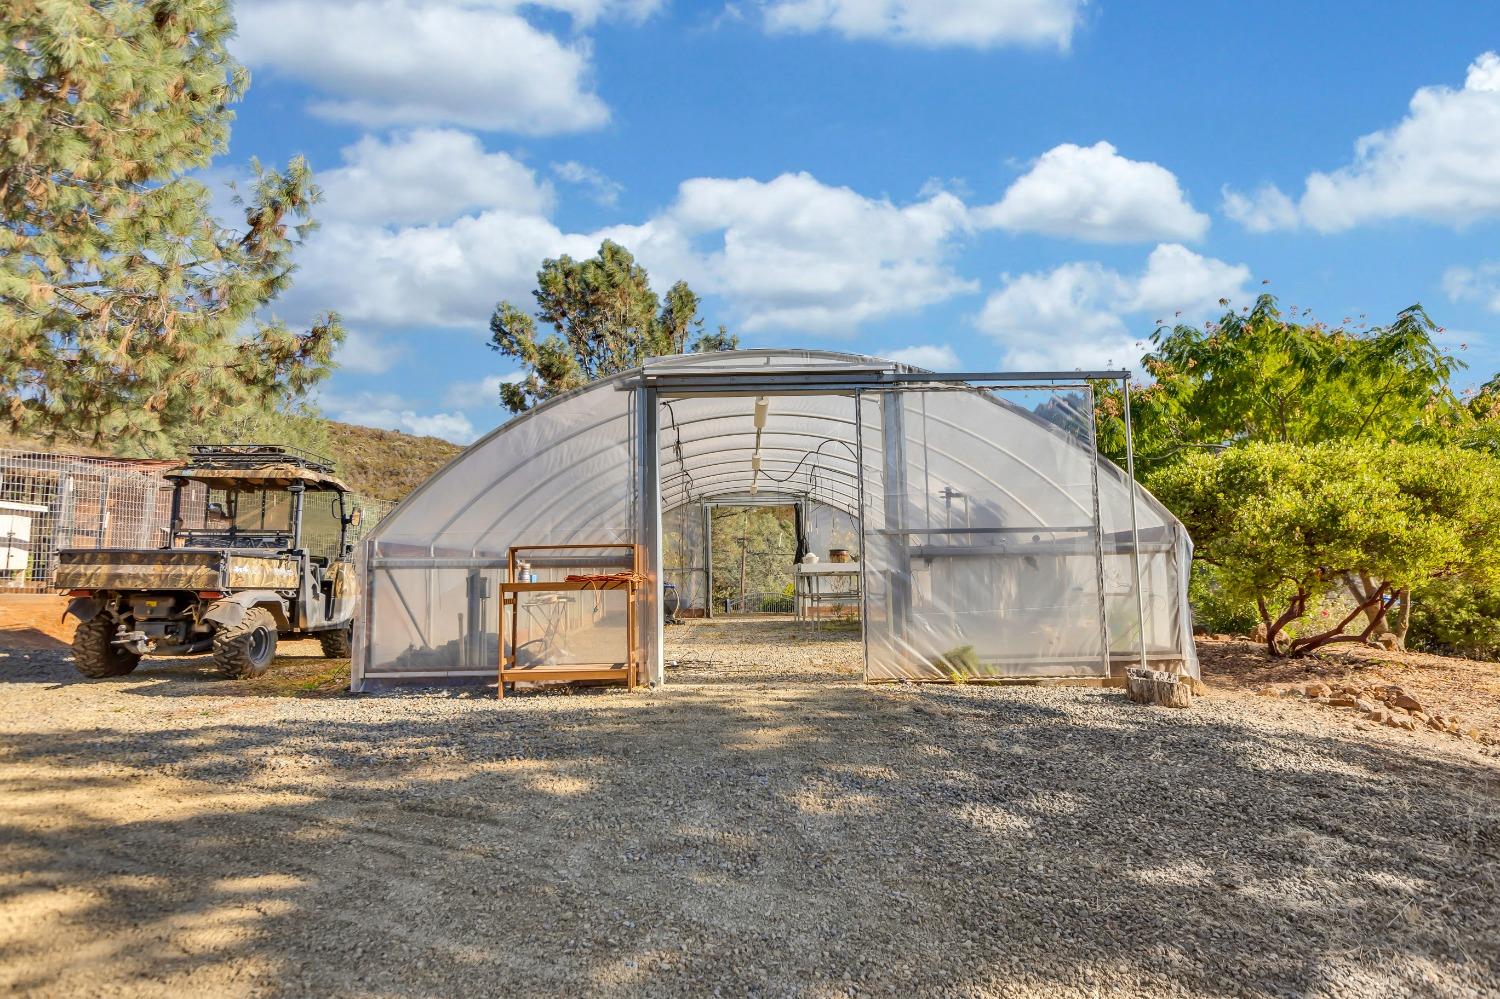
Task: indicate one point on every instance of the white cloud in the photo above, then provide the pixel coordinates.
(480, 394)
(1266, 210)
(794, 253)
(427, 175)
(1062, 318)
(388, 411)
(789, 253)
(412, 62)
(1075, 315)
(601, 189)
(1438, 164)
(1177, 278)
(429, 275)
(1094, 193)
(1474, 284)
(933, 357)
(367, 354)
(978, 24)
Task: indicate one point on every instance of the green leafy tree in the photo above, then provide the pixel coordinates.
(606, 319)
(1457, 618)
(127, 311)
(754, 551)
(1257, 375)
(1286, 525)
(1476, 423)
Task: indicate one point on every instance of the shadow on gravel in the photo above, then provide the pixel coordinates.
(822, 838)
(293, 675)
(27, 639)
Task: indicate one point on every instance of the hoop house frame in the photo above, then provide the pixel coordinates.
(994, 541)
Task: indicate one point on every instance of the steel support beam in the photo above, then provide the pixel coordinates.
(649, 610)
(898, 547)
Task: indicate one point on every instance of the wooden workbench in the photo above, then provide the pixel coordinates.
(510, 591)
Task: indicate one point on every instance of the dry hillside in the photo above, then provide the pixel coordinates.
(386, 464)
(380, 464)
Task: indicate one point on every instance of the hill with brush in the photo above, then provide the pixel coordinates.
(385, 464)
(381, 465)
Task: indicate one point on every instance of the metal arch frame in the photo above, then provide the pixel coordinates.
(852, 375)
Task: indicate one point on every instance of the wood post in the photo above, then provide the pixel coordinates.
(1151, 686)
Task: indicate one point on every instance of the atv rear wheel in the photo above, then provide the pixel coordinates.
(246, 650)
(339, 643)
(94, 656)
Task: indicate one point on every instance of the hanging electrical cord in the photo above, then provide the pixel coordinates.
(677, 448)
(815, 452)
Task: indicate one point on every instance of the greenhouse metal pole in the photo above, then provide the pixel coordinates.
(649, 535)
(893, 474)
(1098, 539)
(864, 541)
(707, 509)
(1135, 529)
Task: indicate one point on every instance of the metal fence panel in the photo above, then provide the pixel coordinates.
(53, 501)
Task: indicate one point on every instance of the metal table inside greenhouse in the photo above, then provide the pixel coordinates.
(824, 583)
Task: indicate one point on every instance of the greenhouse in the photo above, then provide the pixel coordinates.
(981, 533)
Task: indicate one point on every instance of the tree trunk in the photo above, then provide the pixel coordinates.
(1363, 588)
(1295, 608)
(744, 558)
(1402, 622)
(1149, 686)
(1302, 646)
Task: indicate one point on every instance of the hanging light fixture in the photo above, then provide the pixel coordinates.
(762, 406)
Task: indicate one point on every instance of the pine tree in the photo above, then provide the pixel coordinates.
(607, 319)
(127, 312)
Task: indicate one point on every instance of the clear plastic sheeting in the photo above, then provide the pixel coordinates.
(431, 622)
(562, 473)
(571, 629)
(981, 535)
(565, 473)
(685, 558)
(828, 528)
(991, 538)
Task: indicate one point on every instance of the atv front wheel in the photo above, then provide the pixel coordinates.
(93, 654)
(246, 650)
(337, 644)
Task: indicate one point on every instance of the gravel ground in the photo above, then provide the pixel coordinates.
(766, 825)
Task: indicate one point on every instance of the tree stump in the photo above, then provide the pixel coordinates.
(1151, 686)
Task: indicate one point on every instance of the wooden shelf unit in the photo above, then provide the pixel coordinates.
(510, 590)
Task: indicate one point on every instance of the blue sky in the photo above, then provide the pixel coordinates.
(971, 184)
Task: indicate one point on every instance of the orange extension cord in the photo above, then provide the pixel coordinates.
(610, 577)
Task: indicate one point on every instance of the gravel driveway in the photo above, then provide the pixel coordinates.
(766, 825)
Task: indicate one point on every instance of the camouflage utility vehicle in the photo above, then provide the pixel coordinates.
(259, 548)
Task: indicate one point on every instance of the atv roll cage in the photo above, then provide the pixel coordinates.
(249, 456)
(255, 498)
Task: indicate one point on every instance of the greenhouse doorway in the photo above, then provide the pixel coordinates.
(754, 551)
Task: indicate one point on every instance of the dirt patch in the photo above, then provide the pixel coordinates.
(35, 621)
(766, 824)
(1464, 688)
